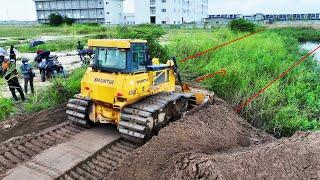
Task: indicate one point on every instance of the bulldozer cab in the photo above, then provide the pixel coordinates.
(121, 55)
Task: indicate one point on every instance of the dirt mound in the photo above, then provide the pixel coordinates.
(35, 122)
(208, 131)
(294, 158)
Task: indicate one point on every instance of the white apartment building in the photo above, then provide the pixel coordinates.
(170, 11)
(83, 11)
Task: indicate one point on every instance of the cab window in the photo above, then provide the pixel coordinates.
(139, 58)
(110, 58)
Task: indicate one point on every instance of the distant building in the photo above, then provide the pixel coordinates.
(224, 19)
(170, 11)
(82, 11)
(292, 17)
(129, 18)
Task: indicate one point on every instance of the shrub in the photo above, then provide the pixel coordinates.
(68, 21)
(58, 92)
(242, 25)
(151, 33)
(55, 19)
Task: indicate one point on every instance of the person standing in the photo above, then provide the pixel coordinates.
(80, 49)
(28, 75)
(80, 46)
(12, 54)
(1, 63)
(13, 82)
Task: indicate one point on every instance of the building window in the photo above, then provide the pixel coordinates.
(163, 1)
(107, 2)
(163, 22)
(152, 10)
(152, 2)
(163, 10)
(107, 13)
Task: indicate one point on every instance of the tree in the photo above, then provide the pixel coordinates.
(55, 19)
(151, 33)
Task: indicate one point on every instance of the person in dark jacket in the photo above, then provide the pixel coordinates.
(13, 82)
(28, 75)
(79, 47)
(12, 54)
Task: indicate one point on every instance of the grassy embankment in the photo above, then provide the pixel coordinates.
(289, 105)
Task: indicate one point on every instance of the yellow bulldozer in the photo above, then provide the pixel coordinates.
(125, 87)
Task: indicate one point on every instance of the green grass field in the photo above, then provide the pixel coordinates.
(289, 105)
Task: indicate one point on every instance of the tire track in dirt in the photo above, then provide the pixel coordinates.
(102, 163)
(23, 148)
(21, 125)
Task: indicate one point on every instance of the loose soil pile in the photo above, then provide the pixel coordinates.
(31, 123)
(294, 158)
(209, 131)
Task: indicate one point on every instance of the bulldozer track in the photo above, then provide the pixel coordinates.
(141, 120)
(102, 163)
(20, 149)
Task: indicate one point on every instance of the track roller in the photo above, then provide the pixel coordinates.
(78, 110)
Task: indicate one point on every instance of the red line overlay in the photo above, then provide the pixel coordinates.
(239, 108)
(220, 46)
(223, 72)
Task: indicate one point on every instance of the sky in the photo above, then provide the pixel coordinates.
(25, 9)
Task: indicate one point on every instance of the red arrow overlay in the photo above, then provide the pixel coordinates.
(217, 47)
(223, 72)
(239, 108)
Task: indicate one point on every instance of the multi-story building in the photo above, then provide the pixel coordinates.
(82, 11)
(170, 11)
(267, 17)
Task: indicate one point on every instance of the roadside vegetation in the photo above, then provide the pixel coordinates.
(60, 91)
(301, 34)
(290, 105)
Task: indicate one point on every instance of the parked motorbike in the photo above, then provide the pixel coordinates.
(86, 56)
(49, 66)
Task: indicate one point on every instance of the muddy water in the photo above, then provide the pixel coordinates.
(309, 46)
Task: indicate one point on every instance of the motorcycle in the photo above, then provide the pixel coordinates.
(86, 56)
(49, 66)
